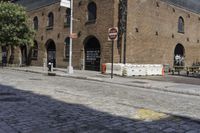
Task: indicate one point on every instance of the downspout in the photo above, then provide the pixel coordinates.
(125, 26)
(122, 25)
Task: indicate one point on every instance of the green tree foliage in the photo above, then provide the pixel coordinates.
(14, 26)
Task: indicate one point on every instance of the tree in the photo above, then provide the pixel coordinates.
(14, 27)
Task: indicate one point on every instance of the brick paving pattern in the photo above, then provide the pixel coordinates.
(34, 105)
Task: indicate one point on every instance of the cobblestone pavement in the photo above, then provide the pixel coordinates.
(34, 103)
(167, 83)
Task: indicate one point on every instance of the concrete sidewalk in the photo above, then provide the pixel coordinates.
(179, 88)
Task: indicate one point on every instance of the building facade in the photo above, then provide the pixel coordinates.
(52, 25)
(154, 32)
(161, 31)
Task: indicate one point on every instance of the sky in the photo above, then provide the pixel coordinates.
(193, 5)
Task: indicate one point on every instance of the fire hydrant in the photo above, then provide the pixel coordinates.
(49, 66)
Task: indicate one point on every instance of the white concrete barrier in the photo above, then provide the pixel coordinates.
(150, 69)
(154, 69)
(117, 68)
(134, 69)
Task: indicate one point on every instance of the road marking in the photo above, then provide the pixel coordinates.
(149, 115)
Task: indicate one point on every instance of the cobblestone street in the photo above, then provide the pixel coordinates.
(35, 103)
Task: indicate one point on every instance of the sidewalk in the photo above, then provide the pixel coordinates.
(179, 88)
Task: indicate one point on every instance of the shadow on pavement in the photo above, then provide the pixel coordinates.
(26, 112)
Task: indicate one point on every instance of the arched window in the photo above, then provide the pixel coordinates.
(67, 17)
(181, 25)
(35, 23)
(50, 20)
(67, 43)
(92, 11)
(35, 50)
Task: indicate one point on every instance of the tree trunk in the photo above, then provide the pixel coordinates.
(29, 57)
(11, 59)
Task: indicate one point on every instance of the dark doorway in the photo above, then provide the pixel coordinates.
(51, 52)
(23, 55)
(92, 54)
(4, 55)
(179, 55)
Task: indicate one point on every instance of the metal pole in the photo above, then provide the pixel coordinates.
(124, 47)
(70, 68)
(112, 59)
(125, 26)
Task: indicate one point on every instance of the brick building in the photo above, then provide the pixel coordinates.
(156, 31)
(51, 21)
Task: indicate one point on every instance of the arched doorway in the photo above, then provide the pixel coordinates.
(23, 49)
(92, 54)
(179, 54)
(51, 52)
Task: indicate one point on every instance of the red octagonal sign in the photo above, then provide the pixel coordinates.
(112, 34)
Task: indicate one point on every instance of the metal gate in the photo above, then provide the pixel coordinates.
(92, 59)
(51, 57)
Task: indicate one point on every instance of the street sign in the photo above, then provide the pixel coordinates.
(112, 34)
(65, 3)
(73, 35)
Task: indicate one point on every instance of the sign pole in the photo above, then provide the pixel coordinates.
(112, 59)
(70, 68)
(112, 36)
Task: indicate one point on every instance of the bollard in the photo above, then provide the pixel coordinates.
(51, 67)
(103, 69)
(163, 72)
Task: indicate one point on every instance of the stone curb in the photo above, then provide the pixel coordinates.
(125, 84)
(140, 86)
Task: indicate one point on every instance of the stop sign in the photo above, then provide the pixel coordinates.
(112, 34)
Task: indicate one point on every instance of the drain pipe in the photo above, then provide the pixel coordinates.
(124, 4)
